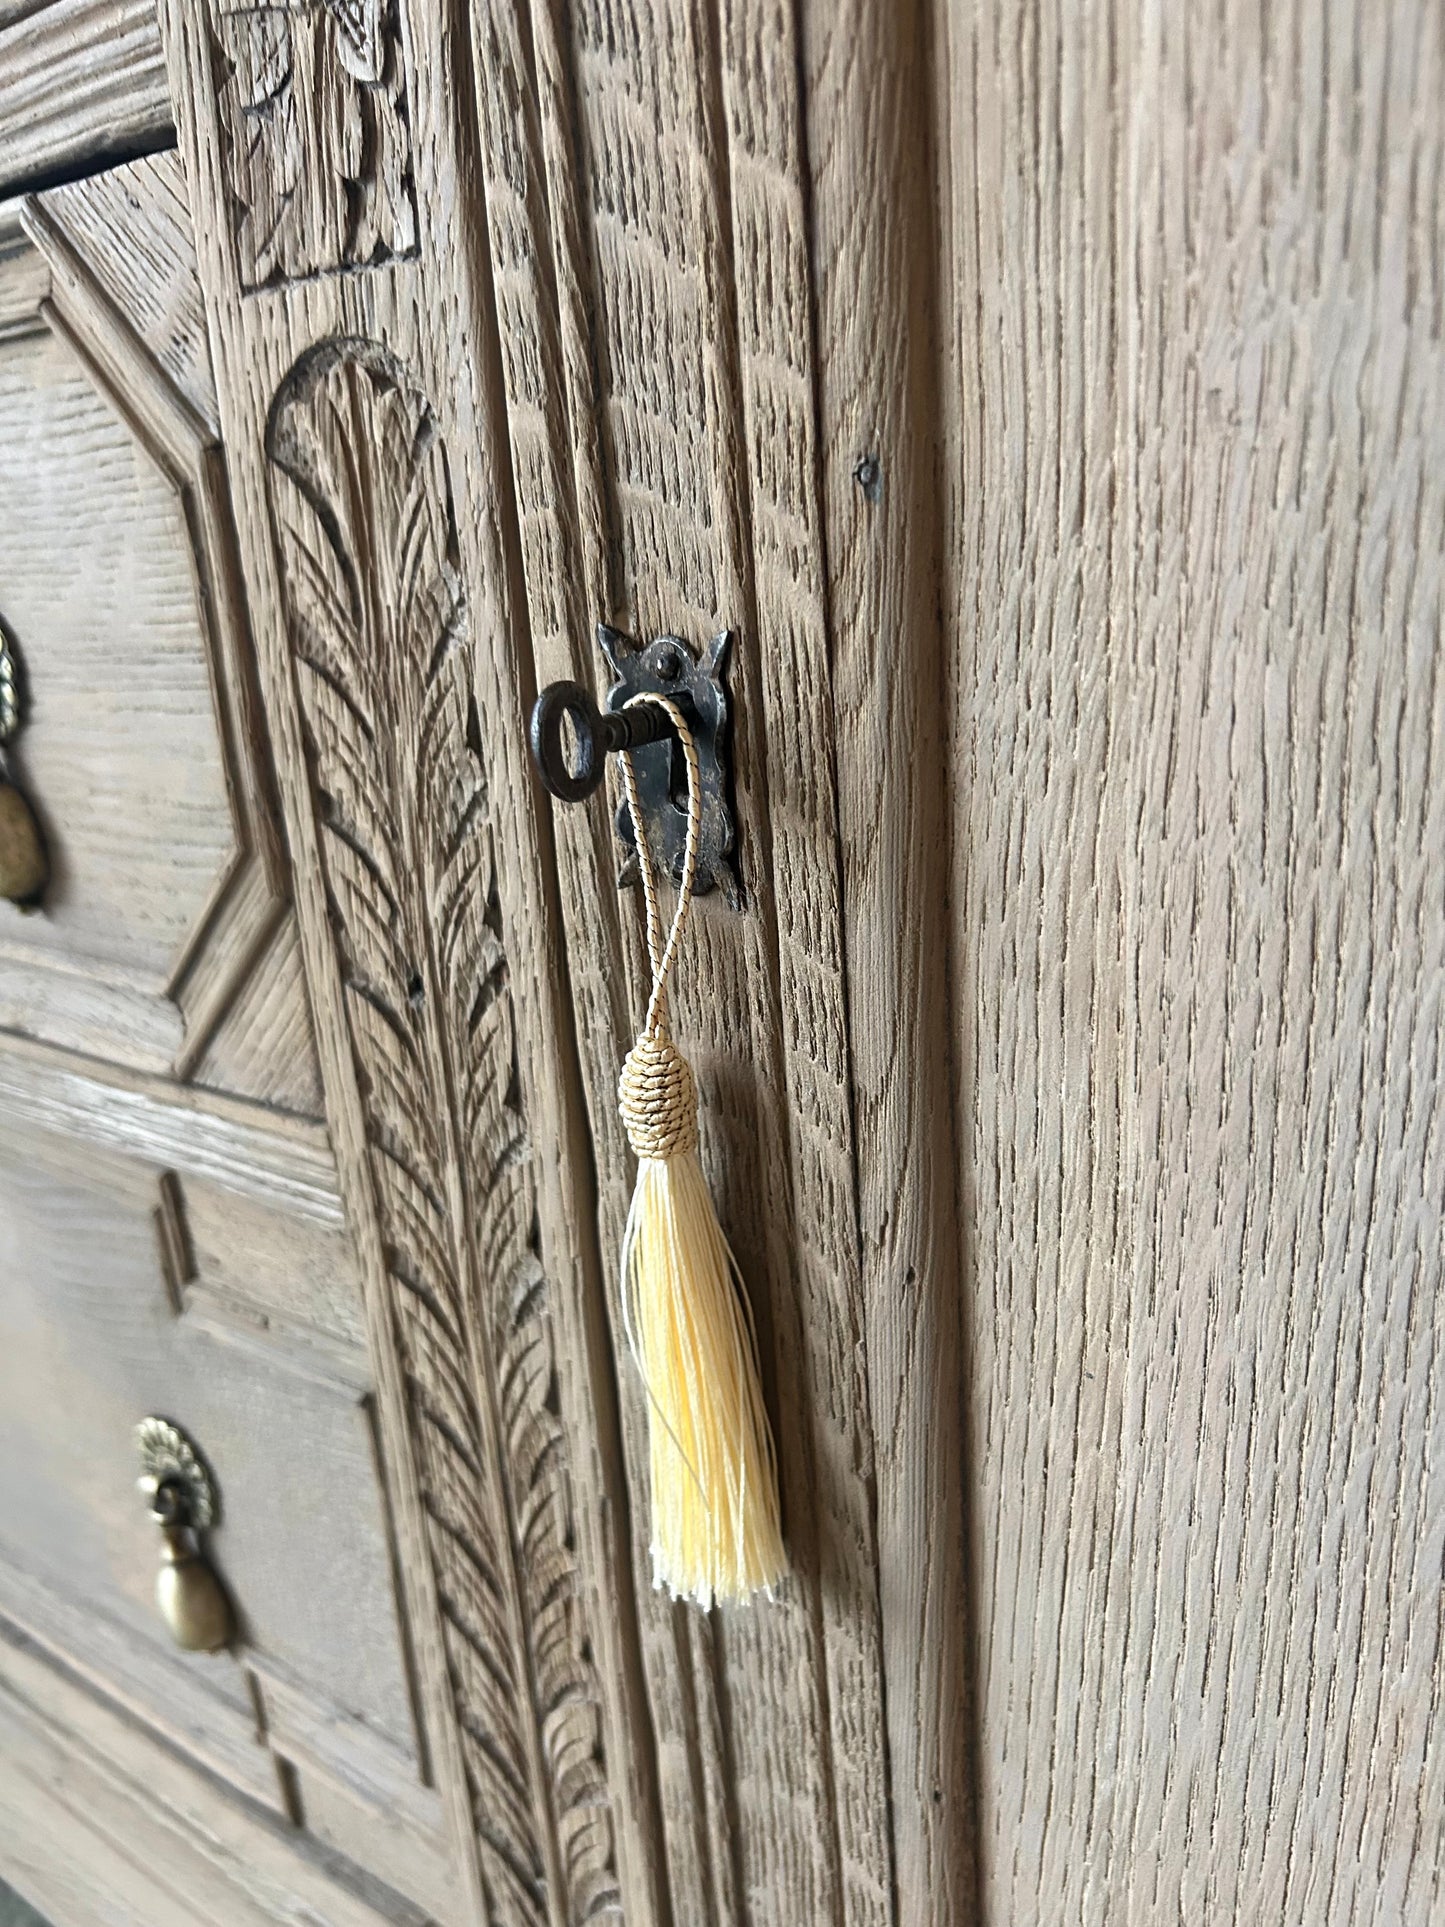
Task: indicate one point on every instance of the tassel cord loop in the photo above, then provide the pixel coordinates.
(664, 955)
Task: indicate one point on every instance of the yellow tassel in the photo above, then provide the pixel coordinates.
(715, 1530)
(715, 1524)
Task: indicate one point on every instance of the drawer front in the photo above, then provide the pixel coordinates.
(127, 1291)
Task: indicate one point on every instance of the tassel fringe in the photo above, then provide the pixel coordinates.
(715, 1527)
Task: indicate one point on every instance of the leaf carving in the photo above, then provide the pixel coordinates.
(317, 141)
(377, 618)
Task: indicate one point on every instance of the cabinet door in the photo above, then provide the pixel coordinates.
(1050, 404)
(516, 329)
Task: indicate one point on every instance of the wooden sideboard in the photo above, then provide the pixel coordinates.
(1051, 403)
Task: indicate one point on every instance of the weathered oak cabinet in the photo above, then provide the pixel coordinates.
(1052, 402)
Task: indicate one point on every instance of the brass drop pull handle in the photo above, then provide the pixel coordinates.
(24, 871)
(182, 1498)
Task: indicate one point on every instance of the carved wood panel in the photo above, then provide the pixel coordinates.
(649, 251)
(317, 137)
(378, 622)
(166, 915)
(573, 295)
(849, 324)
(121, 1294)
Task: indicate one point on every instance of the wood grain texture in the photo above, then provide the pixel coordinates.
(544, 432)
(124, 1293)
(1087, 556)
(870, 186)
(356, 1791)
(82, 83)
(645, 197)
(264, 1047)
(104, 617)
(121, 262)
(150, 1839)
(271, 1271)
(124, 245)
(205, 1721)
(92, 1341)
(779, 397)
(243, 1146)
(143, 695)
(130, 227)
(406, 308)
(1196, 375)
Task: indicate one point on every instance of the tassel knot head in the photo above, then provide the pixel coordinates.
(658, 1098)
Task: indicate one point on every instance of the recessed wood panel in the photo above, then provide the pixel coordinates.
(106, 1315)
(119, 749)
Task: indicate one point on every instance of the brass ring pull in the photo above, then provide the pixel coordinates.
(182, 1497)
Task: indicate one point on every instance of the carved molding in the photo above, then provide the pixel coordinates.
(82, 83)
(362, 510)
(173, 1241)
(316, 138)
(241, 1146)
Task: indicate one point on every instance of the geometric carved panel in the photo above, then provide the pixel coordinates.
(278, 1409)
(147, 753)
(118, 748)
(363, 519)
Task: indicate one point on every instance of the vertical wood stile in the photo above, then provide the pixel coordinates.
(777, 399)
(871, 188)
(540, 333)
(683, 147)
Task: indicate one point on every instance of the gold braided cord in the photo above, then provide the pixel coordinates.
(656, 1092)
(663, 956)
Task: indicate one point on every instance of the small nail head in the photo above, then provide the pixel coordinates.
(868, 474)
